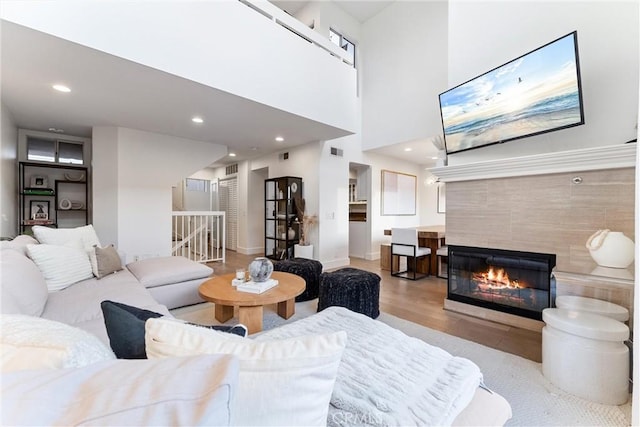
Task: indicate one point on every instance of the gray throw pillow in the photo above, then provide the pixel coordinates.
(108, 261)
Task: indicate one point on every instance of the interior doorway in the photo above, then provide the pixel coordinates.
(359, 210)
(228, 199)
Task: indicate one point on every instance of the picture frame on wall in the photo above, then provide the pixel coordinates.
(39, 209)
(39, 181)
(442, 199)
(398, 193)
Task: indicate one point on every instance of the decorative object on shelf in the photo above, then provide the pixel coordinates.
(64, 204)
(39, 181)
(291, 233)
(306, 221)
(611, 248)
(260, 269)
(74, 176)
(39, 209)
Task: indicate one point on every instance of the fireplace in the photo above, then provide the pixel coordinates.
(513, 282)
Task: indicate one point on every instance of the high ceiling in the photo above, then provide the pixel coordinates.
(111, 91)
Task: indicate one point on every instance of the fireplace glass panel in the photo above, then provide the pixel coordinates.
(510, 281)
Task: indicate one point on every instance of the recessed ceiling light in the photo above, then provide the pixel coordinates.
(279, 138)
(434, 158)
(61, 88)
(56, 130)
(408, 149)
(197, 120)
(232, 154)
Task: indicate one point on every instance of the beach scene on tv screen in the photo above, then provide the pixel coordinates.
(535, 93)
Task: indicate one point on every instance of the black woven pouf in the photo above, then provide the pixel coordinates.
(308, 269)
(357, 290)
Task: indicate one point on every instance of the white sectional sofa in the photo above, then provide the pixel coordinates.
(335, 367)
(141, 284)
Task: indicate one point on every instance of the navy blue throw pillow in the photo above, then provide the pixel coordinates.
(125, 328)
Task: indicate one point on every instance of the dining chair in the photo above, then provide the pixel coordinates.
(404, 243)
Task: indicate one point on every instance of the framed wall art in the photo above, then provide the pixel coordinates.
(39, 209)
(398, 193)
(442, 200)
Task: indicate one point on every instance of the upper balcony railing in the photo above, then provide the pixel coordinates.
(287, 21)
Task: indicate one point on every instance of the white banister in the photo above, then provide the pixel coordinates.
(199, 235)
(287, 21)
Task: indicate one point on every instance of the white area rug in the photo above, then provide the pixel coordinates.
(534, 400)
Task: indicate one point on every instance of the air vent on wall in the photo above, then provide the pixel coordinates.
(231, 169)
(337, 151)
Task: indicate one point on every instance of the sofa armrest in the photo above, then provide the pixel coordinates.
(160, 271)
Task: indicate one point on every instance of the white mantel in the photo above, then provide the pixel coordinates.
(598, 158)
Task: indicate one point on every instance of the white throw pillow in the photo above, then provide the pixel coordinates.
(28, 342)
(61, 266)
(181, 391)
(284, 382)
(61, 236)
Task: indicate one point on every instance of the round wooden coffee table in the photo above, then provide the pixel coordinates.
(219, 291)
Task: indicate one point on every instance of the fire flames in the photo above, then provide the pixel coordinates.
(495, 279)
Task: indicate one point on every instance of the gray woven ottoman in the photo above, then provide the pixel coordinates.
(355, 289)
(308, 269)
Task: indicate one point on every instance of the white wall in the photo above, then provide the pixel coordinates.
(135, 214)
(404, 68)
(221, 44)
(8, 174)
(608, 43)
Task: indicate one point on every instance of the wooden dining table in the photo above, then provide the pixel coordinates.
(430, 236)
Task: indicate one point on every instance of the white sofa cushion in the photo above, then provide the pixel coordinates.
(61, 265)
(28, 342)
(60, 236)
(85, 298)
(161, 271)
(23, 290)
(283, 382)
(181, 391)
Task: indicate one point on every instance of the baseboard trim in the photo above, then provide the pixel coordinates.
(336, 263)
(250, 251)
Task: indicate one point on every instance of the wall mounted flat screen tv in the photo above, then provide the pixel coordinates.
(536, 93)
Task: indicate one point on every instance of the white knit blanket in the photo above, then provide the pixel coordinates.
(387, 378)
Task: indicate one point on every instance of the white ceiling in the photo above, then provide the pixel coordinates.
(110, 91)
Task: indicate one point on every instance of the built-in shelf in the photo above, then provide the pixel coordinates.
(586, 159)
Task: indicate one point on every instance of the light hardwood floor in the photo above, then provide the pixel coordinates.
(421, 302)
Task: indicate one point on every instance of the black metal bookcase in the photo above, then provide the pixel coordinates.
(281, 226)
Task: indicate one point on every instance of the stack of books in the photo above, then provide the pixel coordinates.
(30, 191)
(257, 287)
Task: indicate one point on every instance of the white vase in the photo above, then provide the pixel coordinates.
(260, 269)
(291, 233)
(611, 249)
(301, 251)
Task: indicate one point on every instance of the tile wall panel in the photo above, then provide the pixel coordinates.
(546, 213)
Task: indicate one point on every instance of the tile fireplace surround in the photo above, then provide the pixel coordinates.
(549, 203)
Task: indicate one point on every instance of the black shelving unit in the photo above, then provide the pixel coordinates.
(44, 187)
(281, 226)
